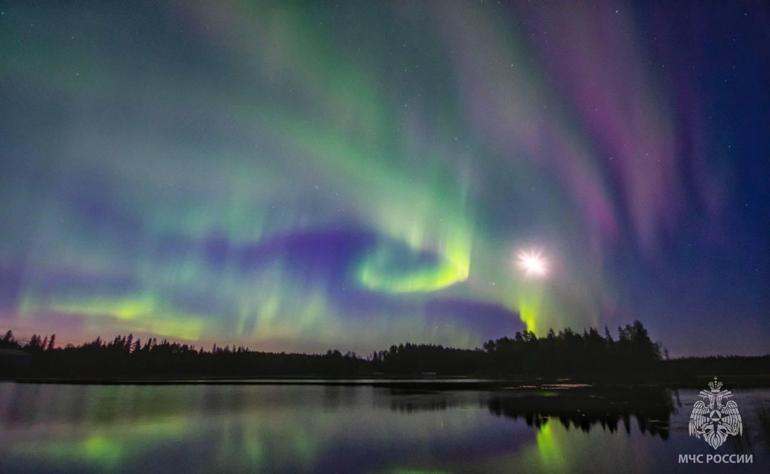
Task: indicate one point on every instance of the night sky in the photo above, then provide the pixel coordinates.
(299, 176)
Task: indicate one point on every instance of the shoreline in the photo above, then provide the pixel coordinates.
(448, 383)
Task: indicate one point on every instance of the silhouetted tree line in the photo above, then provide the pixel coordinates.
(427, 359)
(737, 371)
(566, 353)
(125, 356)
(630, 356)
(571, 353)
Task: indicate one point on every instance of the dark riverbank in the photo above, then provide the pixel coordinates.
(566, 357)
(456, 383)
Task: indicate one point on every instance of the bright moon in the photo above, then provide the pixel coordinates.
(533, 263)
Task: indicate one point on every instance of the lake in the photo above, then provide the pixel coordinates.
(360, 429)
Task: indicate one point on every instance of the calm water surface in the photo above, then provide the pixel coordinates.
(312, 428)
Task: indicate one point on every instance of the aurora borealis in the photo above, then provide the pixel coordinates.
(305, 175)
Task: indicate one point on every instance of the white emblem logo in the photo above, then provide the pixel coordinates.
(715, 418)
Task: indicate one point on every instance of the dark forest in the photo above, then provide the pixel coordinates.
(629, 357)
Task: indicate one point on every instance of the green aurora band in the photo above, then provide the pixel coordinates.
(294, 176)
